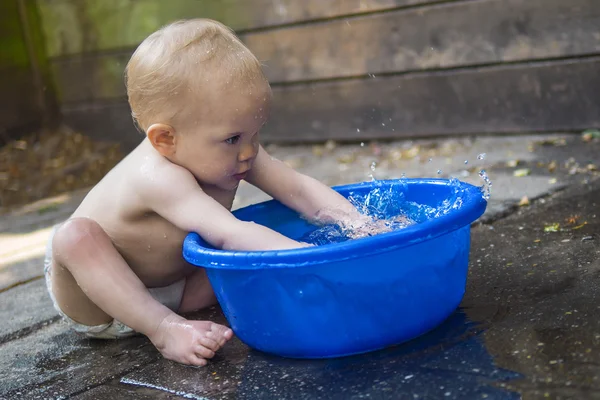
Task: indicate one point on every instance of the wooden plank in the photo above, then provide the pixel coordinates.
(449, 35)
(553, 96)
(54, 362)
(18, 104)
(19, 111)
(75, 26)
(120, 391)
(456, 34)
(25, 308)
(12, 42)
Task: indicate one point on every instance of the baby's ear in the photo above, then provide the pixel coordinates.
(162, 137)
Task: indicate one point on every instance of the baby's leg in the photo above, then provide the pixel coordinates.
(93, 284)
(198, 292)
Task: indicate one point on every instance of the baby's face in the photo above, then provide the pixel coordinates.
(219, 145)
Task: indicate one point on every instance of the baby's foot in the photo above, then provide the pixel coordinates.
(189, 342)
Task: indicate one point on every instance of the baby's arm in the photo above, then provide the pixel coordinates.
(176, 196)
(313, 199)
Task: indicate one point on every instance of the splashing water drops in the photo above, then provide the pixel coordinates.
(387, 206)
(486, 189)
(481, 156)
(373, 167)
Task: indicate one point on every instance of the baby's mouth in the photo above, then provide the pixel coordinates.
(241, 175)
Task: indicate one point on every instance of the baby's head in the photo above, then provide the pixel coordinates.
(201, 97)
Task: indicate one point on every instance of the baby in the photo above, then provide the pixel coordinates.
(115, 268)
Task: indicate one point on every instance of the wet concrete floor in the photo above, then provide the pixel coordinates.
(527, 328)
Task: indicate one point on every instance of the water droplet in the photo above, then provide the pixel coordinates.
(431, 159)
(373, 167)
(481, 156)
(357, 130)
(362, 144)
(466, 162)
(486, 189)
(439, 171)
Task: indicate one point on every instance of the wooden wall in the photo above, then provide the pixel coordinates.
(23, 102)
(356, 69)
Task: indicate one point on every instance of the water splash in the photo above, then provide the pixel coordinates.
(486, 189)
(373, 168)
(389, 210)
(481, 156)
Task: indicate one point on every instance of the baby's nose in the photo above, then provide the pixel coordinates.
(248, 152)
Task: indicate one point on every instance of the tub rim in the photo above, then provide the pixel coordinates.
(472, 208)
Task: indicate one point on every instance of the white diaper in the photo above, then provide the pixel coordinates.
(170, 296)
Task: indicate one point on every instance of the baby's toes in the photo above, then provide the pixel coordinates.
(219, 333)
(209, 343)
(202, 351)
(196, 360)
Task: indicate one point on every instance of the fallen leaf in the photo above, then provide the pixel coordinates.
(524, 201)
(330, 145)
(552, 227)
(20, 145)
(572, 220)
(590, 134)
(522, 172)
(552, 166)
(347, 158)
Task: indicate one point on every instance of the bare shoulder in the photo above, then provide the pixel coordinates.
(158, 179)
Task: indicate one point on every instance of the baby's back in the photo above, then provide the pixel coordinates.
(150, 244)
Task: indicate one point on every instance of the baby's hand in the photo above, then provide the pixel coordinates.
(366, 227)
(189, 342)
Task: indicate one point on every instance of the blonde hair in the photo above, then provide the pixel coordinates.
(170, 66)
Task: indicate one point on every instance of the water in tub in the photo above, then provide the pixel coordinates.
(387, 206)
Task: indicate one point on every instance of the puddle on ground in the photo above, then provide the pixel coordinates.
(450, 362)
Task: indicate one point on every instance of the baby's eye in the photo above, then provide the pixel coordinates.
(233, 139)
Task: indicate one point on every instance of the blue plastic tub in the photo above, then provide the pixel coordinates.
(351, 297)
